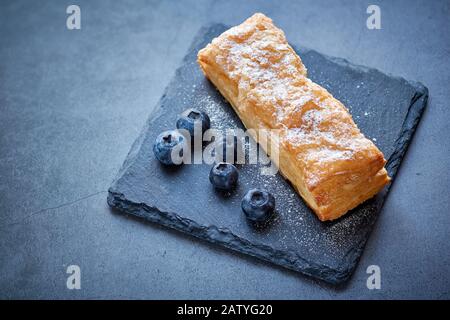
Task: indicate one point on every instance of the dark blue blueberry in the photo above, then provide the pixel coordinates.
(193, 118)
(223, 176)
(166, 143)
(258, 205)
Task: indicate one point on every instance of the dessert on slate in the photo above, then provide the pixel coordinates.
(321, 150)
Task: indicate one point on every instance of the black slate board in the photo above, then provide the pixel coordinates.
(385, 108)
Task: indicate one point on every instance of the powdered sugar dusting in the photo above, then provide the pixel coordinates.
(273, 83)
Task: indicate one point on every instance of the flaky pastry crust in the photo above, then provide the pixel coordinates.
(321, 150)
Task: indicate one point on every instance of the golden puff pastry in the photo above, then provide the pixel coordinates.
(321, 150)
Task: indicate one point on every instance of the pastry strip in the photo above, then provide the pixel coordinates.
(321, 150)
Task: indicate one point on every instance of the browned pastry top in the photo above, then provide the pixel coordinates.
(266, 82)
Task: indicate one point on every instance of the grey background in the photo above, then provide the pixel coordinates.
(72, 103)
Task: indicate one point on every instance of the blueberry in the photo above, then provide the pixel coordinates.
(223, 176)
(169, 142)
(258, 205)
(193, 118)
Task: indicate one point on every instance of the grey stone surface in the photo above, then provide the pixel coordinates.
(72, 102)
(385, 108)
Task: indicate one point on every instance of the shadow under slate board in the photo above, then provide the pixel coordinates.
(386, 109)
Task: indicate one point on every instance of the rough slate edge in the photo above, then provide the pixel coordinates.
(225, 237)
